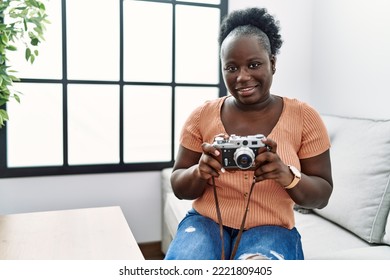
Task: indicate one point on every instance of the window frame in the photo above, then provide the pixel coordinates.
(65, 168)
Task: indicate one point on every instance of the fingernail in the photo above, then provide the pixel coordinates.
(223, 170)
(216, 153)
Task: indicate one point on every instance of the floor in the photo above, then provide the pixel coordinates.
(151, 251)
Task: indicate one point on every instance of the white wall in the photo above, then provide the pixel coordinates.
(351, 57)
(335, 55)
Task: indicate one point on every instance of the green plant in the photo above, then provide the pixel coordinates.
(20, 21)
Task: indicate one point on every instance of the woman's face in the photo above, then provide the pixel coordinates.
(247, 69)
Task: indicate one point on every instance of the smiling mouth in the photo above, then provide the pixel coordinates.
(246, 90)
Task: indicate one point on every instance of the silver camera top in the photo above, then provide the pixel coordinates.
(235, 141)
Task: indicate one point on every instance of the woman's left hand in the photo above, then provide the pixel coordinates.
(268, 165)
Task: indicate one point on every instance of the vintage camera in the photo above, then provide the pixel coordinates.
(239, 151)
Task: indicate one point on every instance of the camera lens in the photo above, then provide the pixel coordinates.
(244, 157)
(244, 161)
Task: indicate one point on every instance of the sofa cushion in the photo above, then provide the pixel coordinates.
(323, 239)
(166, 180)
(174, 211)
(386, 238)
(360, 156)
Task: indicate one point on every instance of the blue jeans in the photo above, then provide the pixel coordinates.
(198, 238)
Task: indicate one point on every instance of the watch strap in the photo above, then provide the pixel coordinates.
(297, 177)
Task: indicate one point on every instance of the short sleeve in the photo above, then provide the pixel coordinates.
(202, 125)
(190, 136)
(315, 138)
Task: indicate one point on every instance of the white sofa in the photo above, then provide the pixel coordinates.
(356, 222)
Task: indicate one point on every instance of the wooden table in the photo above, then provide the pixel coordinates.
(80, 234)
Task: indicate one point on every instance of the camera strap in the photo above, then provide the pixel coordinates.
(219, 216)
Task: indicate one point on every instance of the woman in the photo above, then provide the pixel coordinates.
(292, 166)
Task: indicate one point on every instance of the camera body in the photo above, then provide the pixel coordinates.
(239, 152)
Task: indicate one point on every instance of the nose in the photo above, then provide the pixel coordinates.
(243, 75)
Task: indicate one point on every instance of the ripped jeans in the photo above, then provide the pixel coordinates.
(198, 238)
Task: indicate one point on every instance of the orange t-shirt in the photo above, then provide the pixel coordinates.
(300, 133)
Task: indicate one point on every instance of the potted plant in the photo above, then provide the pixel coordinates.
(20, 21)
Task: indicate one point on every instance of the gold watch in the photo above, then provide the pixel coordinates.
(297, 177)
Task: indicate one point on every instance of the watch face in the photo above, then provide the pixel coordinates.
(295, 171)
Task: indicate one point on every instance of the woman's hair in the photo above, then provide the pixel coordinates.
(253, 21)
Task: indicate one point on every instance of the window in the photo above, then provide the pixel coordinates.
(112, 86)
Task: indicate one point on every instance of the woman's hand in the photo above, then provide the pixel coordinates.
(209, 165)
(315, 185)
(268, 165)
(192, 171)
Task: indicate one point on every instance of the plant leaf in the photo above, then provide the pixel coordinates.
(25, 24)
(28, 53)
(17, 98)
(11, 48)
(34, 41)
(3, 117)
(32, 58)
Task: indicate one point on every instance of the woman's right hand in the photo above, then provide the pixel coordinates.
(209, 164)
(193, 170)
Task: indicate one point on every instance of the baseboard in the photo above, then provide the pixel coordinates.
(151, 250)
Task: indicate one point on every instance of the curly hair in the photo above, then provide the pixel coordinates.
(249, 18)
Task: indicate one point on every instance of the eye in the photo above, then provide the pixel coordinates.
(230, 68)
(254, 65)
